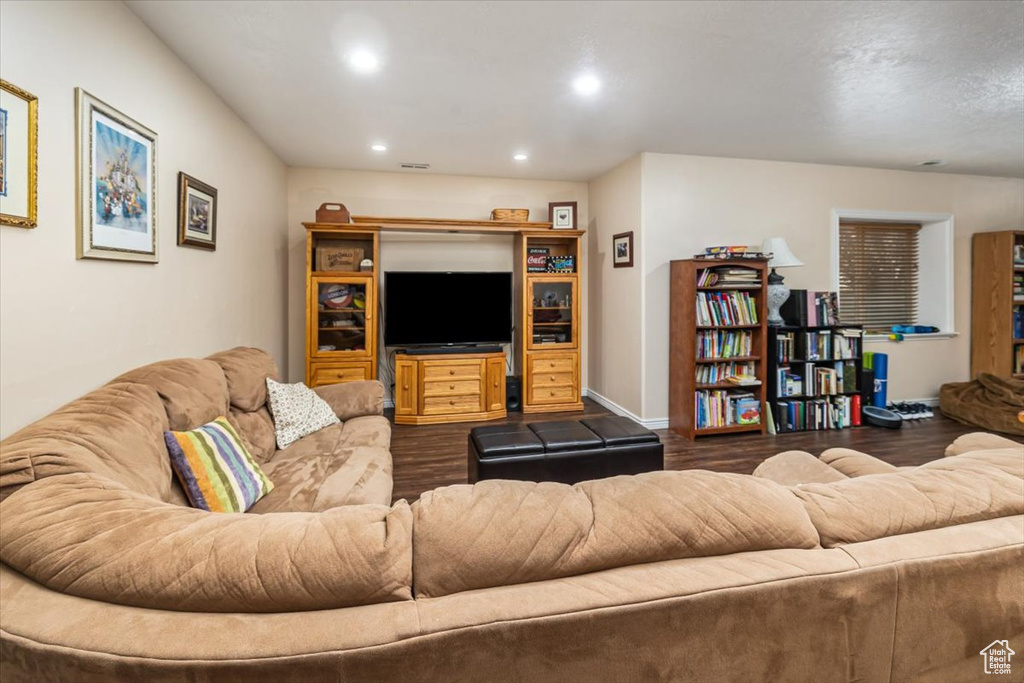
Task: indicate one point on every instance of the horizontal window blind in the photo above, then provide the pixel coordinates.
(878, 270)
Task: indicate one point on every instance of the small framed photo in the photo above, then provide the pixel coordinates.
(622, 250)
(197, 213)
(116, 184)
(562, 215)
(19, 152)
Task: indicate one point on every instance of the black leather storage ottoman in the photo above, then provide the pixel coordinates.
(563, 451)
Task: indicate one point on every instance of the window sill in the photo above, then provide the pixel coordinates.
(932, 336)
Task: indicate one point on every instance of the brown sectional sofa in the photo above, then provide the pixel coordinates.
(833, 569)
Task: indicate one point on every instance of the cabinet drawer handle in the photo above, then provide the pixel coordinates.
(451, 372)
(552, 378)
(452, 402)
(552, 393)
(451, 386)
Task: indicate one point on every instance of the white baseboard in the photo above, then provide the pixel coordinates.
(619, 410)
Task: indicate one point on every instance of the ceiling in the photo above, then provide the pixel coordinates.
(465, 85)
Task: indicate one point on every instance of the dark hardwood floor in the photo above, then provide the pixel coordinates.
(429, 456)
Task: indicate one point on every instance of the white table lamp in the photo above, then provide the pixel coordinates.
(782, 257)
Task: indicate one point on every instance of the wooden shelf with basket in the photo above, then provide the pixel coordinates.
(718, 342)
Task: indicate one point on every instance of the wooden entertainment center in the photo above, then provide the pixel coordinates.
(342, 331)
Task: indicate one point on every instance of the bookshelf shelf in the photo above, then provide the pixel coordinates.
(707, 321)
(997, 309)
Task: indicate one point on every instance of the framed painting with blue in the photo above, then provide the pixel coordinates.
(19, 127)
(116, 184)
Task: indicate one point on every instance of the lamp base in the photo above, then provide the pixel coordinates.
(778, 293)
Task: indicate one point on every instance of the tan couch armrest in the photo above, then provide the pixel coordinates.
(856, 464)
(792, 468)
(354, 399)
(980, 441)
(88, 536)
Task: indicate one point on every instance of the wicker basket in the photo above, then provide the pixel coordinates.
(515, 215)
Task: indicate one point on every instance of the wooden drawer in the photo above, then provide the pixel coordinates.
(337, 373)
(466, 370)
(547, 379)
(454, 387)
(552, 394)
(445, 405)
(541, 364)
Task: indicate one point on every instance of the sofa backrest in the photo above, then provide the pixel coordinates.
(506, 532)
(958, 490)
(246, 370)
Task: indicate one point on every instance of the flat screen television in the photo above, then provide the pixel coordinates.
(440, 309)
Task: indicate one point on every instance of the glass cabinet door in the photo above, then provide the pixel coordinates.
(343, 309)
(552, 314)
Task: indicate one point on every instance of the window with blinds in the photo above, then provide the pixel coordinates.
(878, 274)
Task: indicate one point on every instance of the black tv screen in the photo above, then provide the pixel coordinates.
(434, 309)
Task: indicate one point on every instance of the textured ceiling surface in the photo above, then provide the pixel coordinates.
(465, 85)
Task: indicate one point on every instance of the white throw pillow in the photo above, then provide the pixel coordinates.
(297, 411)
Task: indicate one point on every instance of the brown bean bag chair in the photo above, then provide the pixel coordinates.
(995, 403)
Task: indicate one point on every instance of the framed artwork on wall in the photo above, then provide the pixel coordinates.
(197, 213)
(116, 191)
(622, 250)
(562, 215)
(19, 155)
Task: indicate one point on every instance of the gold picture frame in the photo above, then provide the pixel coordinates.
(116, 189)
(19, 143)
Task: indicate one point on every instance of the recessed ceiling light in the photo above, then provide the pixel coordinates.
(363, 61)
(932, 162)
(379, 148)
(586, 85)
(521, 156)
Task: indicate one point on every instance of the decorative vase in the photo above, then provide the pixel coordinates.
(778, 293)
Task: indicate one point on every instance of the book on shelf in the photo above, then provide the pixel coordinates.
(724, 343)
(836, 412)
(726, 308)
(806, 308)
(716, 373)
(728, 276)
(744, 380)
(725, 408)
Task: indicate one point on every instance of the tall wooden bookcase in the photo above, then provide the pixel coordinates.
(547, 334)
(686, 356)
(994, 346)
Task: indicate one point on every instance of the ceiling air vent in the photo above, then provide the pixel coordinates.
(417, 167)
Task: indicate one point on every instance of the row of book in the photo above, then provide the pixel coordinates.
(715, 373)
(818, 380)
(805, 308)
(724, 344)
(1018, 322)
(1018, 359)
(1018, 288)
(725, 408)
(837, 412)
(818, 345)
(726, 308)
(731, 252)
(729, 276)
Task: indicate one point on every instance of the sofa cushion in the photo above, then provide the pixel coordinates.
(246, 370)
(257, 431)
(947, 492)
(193, 391)
(297, 411)
(335, 466)
(856, 464)
(91, 537)
(215, 469)
(506, 532)
(115, 431)
(792, 468)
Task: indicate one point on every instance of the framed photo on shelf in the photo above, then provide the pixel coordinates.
(19, 154)
(622, 250)
(562, 215)
(116, 175)
(197, 213)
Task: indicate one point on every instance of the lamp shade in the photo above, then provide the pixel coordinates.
(781, 255)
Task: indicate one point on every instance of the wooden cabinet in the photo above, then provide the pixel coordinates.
(548, 311)
(341, 313)
(468, 387)
(997, 313)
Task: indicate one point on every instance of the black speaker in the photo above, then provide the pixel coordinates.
(513, 394)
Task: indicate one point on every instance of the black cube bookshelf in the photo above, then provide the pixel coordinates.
(814, 377)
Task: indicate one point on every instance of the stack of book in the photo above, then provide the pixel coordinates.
(735, 373)
(723, 344)
(729, 276)
(726, 308)
(1018, 288)
(725, 408)
(731, 252)
(789, 384)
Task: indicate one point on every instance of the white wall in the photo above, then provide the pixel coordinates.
(616, 362)
(67, 326)
(417, 195)
(692, 202)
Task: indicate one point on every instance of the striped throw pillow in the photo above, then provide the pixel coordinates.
(215, 468)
